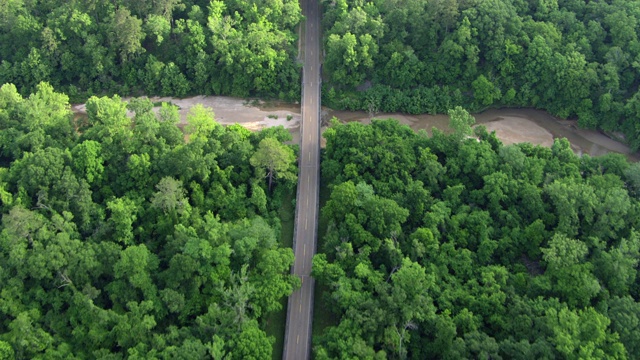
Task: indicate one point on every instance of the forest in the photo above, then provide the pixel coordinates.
(573, 58)
(129, 237)
(151, 47)
(129, 234)
(454, 246)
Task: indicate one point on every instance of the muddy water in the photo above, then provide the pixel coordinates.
(511, 125)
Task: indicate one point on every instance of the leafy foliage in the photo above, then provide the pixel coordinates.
(122, 240)
(450, 247)
(166, 47)
(572, 58)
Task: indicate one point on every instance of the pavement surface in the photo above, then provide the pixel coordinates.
(297, 344)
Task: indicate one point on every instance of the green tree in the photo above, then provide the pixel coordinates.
(39, 171)
(201, 122)
(485, 91)
(583, 334)
(623, 312)
(460, 121)
(170, 196)
(125, 34)
(6, 351)
(136, 264)
(158, 26)
(123, 215)
(87, 161)
(567, 269)
(252, 343)
(273, 160)
(27, 336)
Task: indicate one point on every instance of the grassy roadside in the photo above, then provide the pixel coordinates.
(322, 315)
(276, 322)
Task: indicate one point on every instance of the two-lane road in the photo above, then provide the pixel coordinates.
(300, 309)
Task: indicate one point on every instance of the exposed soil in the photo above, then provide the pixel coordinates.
(583, 141)
(511, 129)
(253, 114)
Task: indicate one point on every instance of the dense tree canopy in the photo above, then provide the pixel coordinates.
(457, 247)
(159, 47)
(573, 58)
(119, 239)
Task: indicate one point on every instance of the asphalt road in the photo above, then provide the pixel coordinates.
(300, 309)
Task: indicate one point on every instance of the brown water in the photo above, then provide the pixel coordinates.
(533, 125)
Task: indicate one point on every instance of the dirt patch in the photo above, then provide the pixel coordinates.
(582, 141)
(512, 130)
(254, 115)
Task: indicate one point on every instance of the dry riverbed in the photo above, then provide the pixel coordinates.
(253, 114)
(511, 125)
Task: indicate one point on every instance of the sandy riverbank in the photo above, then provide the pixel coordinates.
(254, 115)
(511, 125)
(512, 129)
